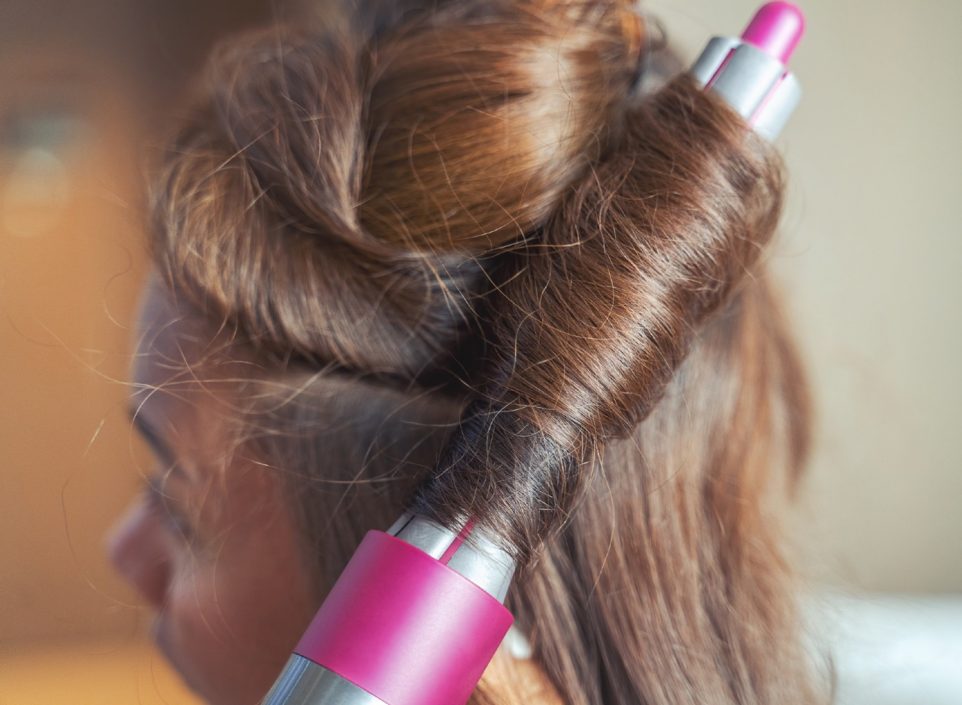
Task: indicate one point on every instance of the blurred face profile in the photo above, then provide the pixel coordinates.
(209, 545)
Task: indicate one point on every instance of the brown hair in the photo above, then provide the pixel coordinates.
(480, 276)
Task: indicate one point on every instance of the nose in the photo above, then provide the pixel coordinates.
(137, 548)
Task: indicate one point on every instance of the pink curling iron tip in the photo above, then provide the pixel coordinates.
(750, 72)
(776, 29)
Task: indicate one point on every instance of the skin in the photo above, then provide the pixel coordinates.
(217, 560)
(213, 550)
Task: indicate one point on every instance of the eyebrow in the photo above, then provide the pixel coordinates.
(156, 443)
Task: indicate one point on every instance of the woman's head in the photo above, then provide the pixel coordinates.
(445, 258)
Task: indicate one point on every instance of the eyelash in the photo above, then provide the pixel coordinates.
(157, 504)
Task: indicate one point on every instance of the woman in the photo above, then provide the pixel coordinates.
(450, 257)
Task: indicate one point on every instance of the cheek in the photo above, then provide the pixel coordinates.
(201, 633)
(233, 614)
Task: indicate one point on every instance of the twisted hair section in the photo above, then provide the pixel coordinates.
(376, 178)
(592, 321)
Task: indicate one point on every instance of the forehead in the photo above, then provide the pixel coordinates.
(179, 362)
(173, 345)
(162, 331)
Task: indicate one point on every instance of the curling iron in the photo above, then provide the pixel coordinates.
(419, 612)
(414, 619)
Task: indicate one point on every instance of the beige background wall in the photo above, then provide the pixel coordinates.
(81, 88)
(869, 257)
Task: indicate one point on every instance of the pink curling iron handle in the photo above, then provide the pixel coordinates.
(418, 613)
(414, 619)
